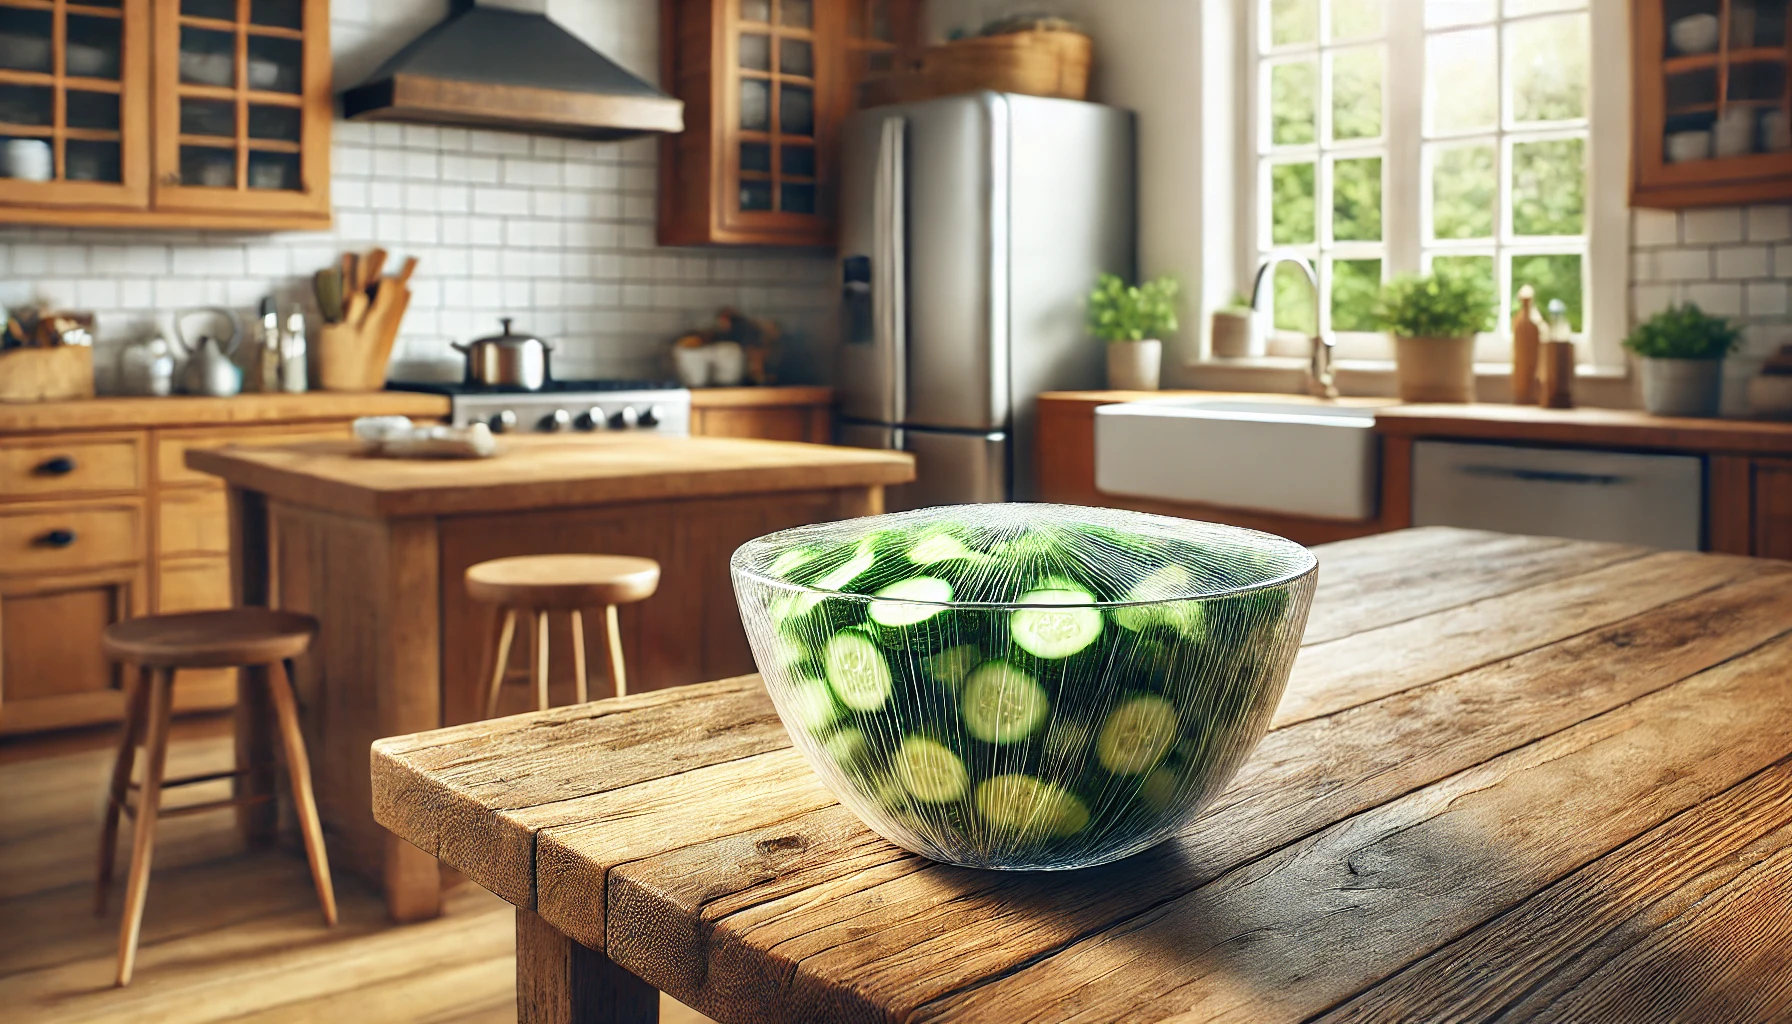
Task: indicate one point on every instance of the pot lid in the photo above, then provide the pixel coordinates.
(509, 337)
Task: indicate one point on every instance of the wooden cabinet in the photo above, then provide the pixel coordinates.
(765, 85)
(1749, 505)
(1712, 94)
(768, 413)
(191, 113)
(99, 523)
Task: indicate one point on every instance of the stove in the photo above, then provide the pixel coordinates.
(567, 406)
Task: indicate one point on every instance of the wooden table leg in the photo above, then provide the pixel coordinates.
(559, 981)
(250, 573)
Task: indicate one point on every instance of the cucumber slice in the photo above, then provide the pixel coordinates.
(848, 749)
(790, 561)
(1021, 805)
(857, 671)
(1002, 704)
(1055, 633)
(1162, 584)
(941, 547)
(893, 607)
(930, 771)
(851, 569)
(950, 666)
(813, 704)
(1136, 736)
(1158, 790)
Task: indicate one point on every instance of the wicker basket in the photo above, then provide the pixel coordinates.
(46, 374)
(1037, 62)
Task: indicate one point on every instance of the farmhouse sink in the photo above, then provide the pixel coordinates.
(1293, 458)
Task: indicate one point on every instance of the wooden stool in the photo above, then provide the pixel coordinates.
(158, 645)
(539, 584)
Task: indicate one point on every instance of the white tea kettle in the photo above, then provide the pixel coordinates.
(209, 370)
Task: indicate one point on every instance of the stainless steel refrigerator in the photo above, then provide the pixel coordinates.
(972, 228)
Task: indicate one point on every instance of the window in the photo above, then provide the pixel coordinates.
(1403, 135)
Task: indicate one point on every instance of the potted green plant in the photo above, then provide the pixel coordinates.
(1133, 319)
(1433, 319)
(1681, 352)
(1235, 333)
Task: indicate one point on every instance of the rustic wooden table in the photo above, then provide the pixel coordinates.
(1512, 778)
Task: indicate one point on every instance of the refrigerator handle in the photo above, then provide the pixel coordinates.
(889, 289)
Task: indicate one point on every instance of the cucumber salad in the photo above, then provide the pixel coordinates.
(1024, 686)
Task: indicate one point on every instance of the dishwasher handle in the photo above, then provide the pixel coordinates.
(1547, 476)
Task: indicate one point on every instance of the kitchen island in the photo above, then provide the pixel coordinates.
(376, 549)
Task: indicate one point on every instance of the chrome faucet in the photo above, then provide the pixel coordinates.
(1320, 383)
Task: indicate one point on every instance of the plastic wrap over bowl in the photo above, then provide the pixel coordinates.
(1023, 686)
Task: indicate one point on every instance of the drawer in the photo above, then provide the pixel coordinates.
(70, 537)
(192, 521)
(172, 446)
(46, 467)
(192, 584)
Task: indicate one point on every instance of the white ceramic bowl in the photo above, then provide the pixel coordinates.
(1684, 146)
(1696, 33)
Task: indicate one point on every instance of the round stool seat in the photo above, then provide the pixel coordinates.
(218, 639)
(563, 581)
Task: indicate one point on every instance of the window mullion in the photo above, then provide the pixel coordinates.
(1403, 88)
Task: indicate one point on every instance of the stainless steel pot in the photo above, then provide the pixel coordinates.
(507, 360)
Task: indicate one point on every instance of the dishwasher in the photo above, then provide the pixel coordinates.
(1624, 497)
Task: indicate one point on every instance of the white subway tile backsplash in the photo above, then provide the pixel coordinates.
(1683, 264)
(1765, 298)
(1721, 224)
(1719, 299)
(1655, 227)
(1749, 261)
(1769, 223)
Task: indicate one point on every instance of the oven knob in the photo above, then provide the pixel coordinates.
(627, 419)
(502, 422)
(591, 419)
(653, 416)
(557, 420)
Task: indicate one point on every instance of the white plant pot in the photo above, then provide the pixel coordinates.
(1135, 365)
(1682, 387)
(1434, 369)
(1235, 335)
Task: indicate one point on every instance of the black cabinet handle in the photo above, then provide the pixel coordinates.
(61, 465)
(56, 539)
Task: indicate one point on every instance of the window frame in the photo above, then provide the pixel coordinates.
(1406, 201)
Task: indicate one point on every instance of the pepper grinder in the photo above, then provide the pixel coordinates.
(1558, 360)
(292, 353)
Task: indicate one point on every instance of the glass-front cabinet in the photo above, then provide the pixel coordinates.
(1711, 103)
(198, 113)
(765, 85)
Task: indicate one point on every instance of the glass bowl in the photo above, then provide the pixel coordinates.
(1024, 687)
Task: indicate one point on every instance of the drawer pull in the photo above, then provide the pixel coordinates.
(55, 539)
(61, 465)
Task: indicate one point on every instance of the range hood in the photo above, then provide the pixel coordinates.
(505, 64)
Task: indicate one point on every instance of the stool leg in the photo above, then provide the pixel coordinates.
(578, 655)
(613, 648)
(506, 620)
(155, 758)
(538, 661)
(136, 696)
(298, 771)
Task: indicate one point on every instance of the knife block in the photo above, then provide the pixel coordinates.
(46, 374)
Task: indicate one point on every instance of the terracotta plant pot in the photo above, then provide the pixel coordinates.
(1235, 335)
(1435, 369)
(1682, 387)
(1135, 365)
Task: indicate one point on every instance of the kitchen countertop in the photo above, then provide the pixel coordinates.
(1628, 428)
(136, 413)
(774, 394)
(545, 472)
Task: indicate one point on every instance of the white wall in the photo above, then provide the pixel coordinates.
(556, 233)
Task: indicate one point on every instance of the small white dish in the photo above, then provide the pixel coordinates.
(1695, 33)
(1734, 134)
(1684, 146)
(27, 160)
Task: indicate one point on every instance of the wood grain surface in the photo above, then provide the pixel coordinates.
(1513, 779)
(532, 473)
(187, 410)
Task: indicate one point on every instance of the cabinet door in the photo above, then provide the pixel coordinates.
(52, 673)
(1772, 511)
(777, 60)
(243, 106)
(74, 102)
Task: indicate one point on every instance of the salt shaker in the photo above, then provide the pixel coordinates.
(292, 353)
